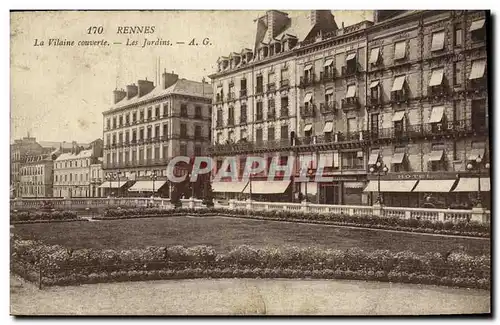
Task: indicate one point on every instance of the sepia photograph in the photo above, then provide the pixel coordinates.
(250, 162)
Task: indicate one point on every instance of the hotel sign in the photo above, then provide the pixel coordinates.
(416, 176)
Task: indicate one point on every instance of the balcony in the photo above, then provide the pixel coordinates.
(438, 91)
(218, 98)
(246, 146)
(284, 83)
(259, 117)
(259, 90)
(441, 129)
(351, 103)
(307, 81)
(350, 71)
(243, 93)
(271, 87)
(327, 76)
(243, 118)
(219, 123)
(375, 102)
(271, 115)
(477, 85)
(230, 121)
(398, 97)
(308, 111)
(328, 108)
(231, 96)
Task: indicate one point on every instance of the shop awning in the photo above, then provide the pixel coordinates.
(329, 91)
(374, 54)
(351, 91)
(400, 50)
(228, 187)
(328, 127)
(308, 67)
(328, 63)
(307, 97)
(146, 186)
(398, 83)
(354, 184)
(474, 153)
(436, 185)
(476, 25)
(267, 187)
(470, 185)
(372, 160)
(436, 114)
(436, 155)
(112, 184)
(391, 186)
(350, 57)
(398, 158)
(398, 116)
(374, 83)
(436, 77)
(437, 41)
(478, 69)
(308, 127)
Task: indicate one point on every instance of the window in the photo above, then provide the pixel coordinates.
(352, 125)
(108, 123)
(230, 136)
(284, 106)
(243, 114)
(120, 120)
(114, 122)
(149, 154)
(134, 136)
(134, 117)
(260, 112)
(351, 64)
(457, 74)
(399, 89)
(197, 132)
(284, 78)
(271, 111)
(437, 158)
(351, 160)
(270, 134)
(120, 138)
(197, 112)
(230, 116)
(127, 157)
(157, 111)
(284, 132)
(243, 134)
(141, 115)
(127, 119)
(375, 91)
(183, 149)
(157, 153)
(150, 132)
(197, 150)
(114, 142)
(478, 30)
(374, 124)
(458, 35)
(219, 122)
(157, 131)
(108, 139)
(134, 156)
(165, 109)
(183, 130)
(260, 86)
(271, 85)
(243, 87)
(141, 134)
(150, 113)
(478, 117)
(400, 50)
(258, 136)
(374, 56)
(184, 112)
(219, 137)
(437, 41)
(108, 158)
(165, 152)
(165, 131)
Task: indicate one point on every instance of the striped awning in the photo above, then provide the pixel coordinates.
(112, 184)
(267, 187)
(391, 186)
(147, 186)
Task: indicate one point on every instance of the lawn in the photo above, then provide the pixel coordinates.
(226, 233)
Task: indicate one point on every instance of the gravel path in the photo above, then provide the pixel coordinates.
(246, 297)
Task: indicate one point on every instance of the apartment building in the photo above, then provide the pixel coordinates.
(20, 150)
(96, 178)
(407, 90)
(36, 176)
(146, 126)
(72, 170)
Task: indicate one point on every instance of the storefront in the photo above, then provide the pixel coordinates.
(428, 189)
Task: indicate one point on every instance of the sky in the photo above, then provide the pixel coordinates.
(58, 93)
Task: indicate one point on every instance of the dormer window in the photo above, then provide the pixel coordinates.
(277, 48)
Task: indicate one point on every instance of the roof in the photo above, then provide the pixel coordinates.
(181, 87)
(64, 144)
(81, 154)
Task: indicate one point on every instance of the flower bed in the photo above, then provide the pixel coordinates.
(40, 216)
(63, 266)
(463, 228)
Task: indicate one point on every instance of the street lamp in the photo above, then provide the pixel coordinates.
(118, 177)
(153, 177)
(477, 166)
(379, 169)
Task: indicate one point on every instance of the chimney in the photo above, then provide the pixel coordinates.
(73, 147)
(168, 79)
(131, 91)
(276, 22)
(118, 95)
(324, 18)
(145, 87)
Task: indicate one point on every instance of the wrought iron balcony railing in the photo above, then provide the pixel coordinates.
(328, 108)
(308, 111)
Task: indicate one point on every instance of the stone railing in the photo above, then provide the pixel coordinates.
(476, 214)
(360, 210)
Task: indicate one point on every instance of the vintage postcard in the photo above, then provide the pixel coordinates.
(250, 162)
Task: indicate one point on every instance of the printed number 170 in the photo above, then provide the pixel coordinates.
(95, 30)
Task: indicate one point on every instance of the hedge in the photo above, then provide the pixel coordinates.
(39, 216)
(63, 266)
(463, 228)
